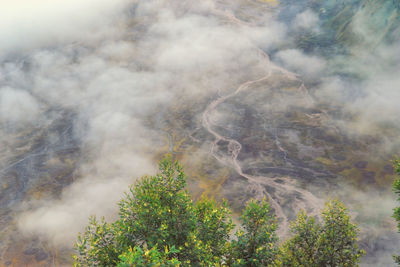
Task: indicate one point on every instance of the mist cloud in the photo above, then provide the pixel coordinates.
(17, 106)
(296, 60)
(306, 20)
(117, 83)
(26, 24)
(120, 66)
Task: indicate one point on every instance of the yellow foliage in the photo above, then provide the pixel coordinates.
(273, 3)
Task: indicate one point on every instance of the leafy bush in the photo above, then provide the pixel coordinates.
(159, 225)
(333, 243)
(396, 214)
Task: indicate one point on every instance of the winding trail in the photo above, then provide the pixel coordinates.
(286, 187)
(303, 198)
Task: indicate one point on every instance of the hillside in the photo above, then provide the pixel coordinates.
(296, 101)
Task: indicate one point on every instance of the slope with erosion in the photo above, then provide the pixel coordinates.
(262, 135)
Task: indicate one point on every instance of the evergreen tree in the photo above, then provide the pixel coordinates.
(158, 215)
(214, 225)
(158, 211)
(148, 258)
(159, 225)
(256, 243)
(98, 246)
(334, 243)
(396, 214)
(301, 249)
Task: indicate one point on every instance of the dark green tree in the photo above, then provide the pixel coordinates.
(148, 258)
(213, 228)
(256, 243)
(301, 249)
(332, 243)
(158, 211)
(337, 242)
(159, 225)
(97, 246)
(396, 214)
(158, 214)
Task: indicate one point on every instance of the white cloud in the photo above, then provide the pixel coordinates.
(306, 20)
(296, 60)
(119, 83)
(18, 106)
(29, 24)
(119, 77)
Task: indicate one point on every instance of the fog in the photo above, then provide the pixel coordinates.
(119, 67)
(115, 85)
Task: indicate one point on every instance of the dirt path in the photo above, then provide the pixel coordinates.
(303, 199)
